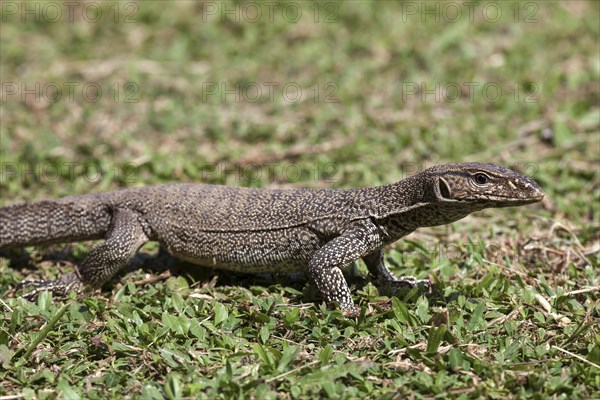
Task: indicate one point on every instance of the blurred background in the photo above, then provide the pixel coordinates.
(102, 95)
(351, 94)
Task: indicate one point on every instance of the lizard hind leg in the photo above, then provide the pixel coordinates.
(386, 280)
(125, 236)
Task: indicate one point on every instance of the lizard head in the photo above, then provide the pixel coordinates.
(483, 185)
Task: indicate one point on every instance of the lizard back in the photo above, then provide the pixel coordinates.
(215, 208)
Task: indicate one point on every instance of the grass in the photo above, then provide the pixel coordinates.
(514, 313)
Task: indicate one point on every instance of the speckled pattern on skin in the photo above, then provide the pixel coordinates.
(263, 230)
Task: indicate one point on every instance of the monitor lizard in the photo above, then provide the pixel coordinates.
(255, 230)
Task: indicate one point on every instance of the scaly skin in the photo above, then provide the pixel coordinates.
(262, 230)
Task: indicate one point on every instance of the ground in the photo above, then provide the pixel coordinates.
(102, 95)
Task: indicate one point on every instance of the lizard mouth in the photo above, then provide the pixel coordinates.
(506, 201)
(510, 202)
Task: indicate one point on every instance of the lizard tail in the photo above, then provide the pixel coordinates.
(53, 221)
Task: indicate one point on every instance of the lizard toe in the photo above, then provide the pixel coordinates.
(59, 287)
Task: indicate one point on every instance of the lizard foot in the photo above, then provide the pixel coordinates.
(406, 282)
(351, 312)
(59, 287)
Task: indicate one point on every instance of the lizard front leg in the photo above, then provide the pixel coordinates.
(124, 238)
(386, 280)
(324, 270)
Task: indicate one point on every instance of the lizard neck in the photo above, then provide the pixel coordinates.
(412, 203)
(399, 197)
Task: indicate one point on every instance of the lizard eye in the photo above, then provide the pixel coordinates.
(481, 179)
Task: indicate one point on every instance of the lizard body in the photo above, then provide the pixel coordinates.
(262, 230)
